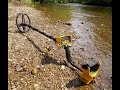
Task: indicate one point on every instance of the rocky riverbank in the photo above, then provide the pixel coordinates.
(34, 61)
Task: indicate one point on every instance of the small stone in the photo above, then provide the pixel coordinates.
(82, 23)
(48, 48)
(14, 89)
(62, 67)
(10, 60)
(82, 49)
(44, 70)
(93, 86)
(21, 79)
(97, 83)
(58, 61)
(67, 23)
(87, 30)
(43, 53)
(19, 68)
(62, 86)
(66, 88)
(14, 62)
(34, 71)
(37, 66)
(36, 86)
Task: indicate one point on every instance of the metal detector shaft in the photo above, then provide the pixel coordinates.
(69, 58)
(67, 50)
(51, 37)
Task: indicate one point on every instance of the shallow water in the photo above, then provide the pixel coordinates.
(95, 32)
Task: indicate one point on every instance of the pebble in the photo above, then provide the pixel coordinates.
(34, 71)
(14, 62)
(48, 48)
(87, 30)
(67, 23)
(14, 89)
(44, 70)
(10, 60)
(19, 68)
(66, 88)
(21, 79)
(37, 66)
(82, 49)
(62, 67)
(43, 53)
(37, 86)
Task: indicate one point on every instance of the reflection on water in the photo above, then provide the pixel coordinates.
(55, 12)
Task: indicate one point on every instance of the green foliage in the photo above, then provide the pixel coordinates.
(98, 2)
(90, 2)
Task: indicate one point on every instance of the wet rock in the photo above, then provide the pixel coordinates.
(36, 86)
(19, 68)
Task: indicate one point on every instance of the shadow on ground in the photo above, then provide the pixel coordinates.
(74, 83)
(47, 59)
